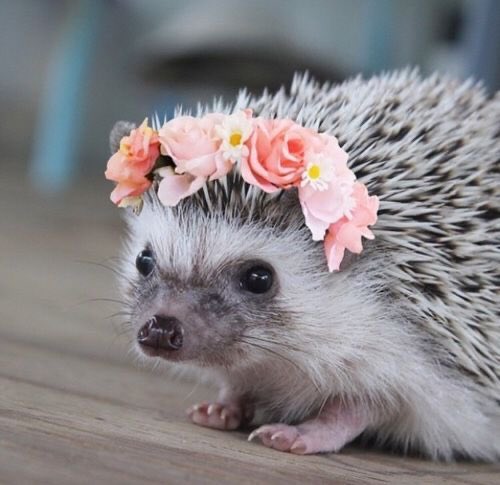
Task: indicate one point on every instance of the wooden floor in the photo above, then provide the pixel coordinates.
(73, 406)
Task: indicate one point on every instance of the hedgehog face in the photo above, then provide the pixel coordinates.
(211, 289)
(201, 317)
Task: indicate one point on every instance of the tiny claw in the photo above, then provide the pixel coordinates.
(299, 447)
(224, 415)
(253, 434)
(210, 410)
(192, 409)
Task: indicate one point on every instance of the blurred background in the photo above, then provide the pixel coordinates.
(70, 68)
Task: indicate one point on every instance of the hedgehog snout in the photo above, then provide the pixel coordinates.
(181, 326)
(161, 333)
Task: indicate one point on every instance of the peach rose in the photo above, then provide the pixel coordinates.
(347, 232)
(194, 146)
(276, 158)
(132, 162)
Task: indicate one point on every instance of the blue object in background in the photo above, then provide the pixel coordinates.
(378, 21)
(60, 115)
(482, 42)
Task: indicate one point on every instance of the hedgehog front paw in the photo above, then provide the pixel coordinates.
(280, 437)
(330, 431)
(216, 415)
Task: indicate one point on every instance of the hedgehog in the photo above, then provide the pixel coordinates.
(400, 348)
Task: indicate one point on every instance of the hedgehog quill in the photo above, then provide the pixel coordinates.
(328, 256)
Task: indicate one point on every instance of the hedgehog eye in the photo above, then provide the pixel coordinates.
(145, 262)
(257, 279)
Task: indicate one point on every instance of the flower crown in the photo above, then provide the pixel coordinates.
(272, 154)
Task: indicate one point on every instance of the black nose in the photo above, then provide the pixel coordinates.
(161, 333)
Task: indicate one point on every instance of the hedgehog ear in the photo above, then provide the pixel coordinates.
(121, 129)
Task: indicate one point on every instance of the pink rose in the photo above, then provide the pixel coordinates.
(276, 158)
(132, 162)
(346, 233)
(194, 146)
(328, 163)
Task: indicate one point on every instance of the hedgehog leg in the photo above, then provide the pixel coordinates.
(330, 431)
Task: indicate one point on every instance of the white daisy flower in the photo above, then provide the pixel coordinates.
(318, 173)
(234, 132)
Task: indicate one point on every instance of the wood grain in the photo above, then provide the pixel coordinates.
(73, 406)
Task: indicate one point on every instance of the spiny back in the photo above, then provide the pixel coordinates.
(430, 149)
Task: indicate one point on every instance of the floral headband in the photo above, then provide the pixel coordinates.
(272, 154)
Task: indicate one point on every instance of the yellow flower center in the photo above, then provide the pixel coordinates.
(235, 138)
(314, 172)
(125, 148)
